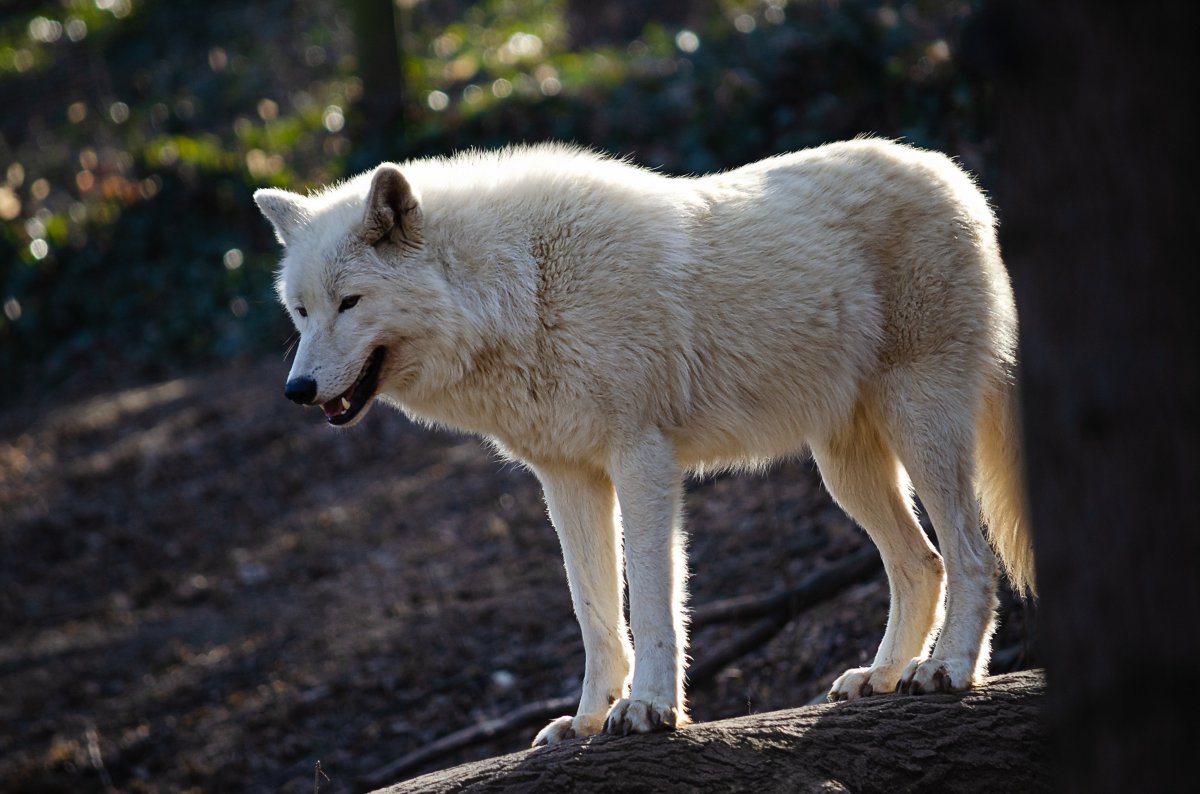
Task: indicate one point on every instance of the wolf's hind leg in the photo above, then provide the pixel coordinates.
(932, 427)
(866, 479)
(582, 508)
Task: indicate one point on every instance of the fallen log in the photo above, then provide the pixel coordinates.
(989, 739)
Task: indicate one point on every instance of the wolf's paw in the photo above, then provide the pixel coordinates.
(630, 715)
(564, 728)
(923, 676)
(861, 682)
(557, 731)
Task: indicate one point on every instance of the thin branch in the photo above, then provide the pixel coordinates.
(776, 608)
(816, 587)
(721, 656)
(531, 713)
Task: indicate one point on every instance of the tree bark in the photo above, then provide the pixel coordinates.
(990, 739)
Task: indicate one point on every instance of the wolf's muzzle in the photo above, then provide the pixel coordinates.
(302, 390)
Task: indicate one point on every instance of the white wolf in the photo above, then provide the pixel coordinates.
(614, 328)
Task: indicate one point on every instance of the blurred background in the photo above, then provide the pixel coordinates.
(204, 588)
(134, 132)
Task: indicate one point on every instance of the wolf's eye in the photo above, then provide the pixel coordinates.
(349, 303)
(300, 310)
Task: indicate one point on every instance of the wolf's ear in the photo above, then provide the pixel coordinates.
(393, 212)
(287, 212)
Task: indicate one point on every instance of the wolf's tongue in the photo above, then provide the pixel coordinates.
(333, 407)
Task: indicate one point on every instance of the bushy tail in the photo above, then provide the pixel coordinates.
(1000, 483)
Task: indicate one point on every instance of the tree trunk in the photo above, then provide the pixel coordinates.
(379, 65)
(990, 739)
(1098, 219)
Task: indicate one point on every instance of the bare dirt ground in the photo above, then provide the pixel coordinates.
(205, 588)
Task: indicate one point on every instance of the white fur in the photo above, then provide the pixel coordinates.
(614, 329)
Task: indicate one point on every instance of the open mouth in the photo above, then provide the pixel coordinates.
(350, 403)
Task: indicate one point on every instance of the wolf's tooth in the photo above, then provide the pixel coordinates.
(345, 404)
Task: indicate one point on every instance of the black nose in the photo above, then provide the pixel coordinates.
(301, 391)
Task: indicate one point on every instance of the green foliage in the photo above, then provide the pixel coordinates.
(155, 288)
(755, 79)
(128, 240)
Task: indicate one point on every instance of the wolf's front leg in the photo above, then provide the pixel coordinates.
(649, 485)
(581, 507)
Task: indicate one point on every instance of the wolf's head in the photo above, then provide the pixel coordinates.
(366, 297)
